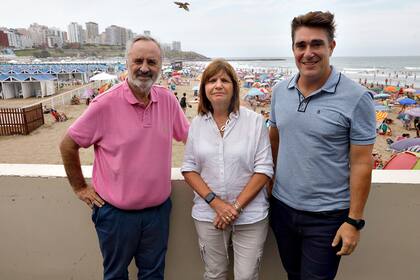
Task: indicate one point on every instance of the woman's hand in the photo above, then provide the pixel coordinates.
(225, 212)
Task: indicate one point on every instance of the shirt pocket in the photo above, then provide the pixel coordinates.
(327, 123)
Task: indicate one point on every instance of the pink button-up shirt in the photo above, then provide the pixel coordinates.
(133, 145)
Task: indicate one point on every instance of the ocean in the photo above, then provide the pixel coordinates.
(393, 70)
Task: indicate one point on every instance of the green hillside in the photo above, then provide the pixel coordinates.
(100, 51)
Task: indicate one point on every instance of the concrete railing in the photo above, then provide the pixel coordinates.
(46, 232)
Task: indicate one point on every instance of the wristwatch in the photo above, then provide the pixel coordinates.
(358, 224)
(209, 198)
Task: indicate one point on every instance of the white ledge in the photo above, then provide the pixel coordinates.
(57, 170)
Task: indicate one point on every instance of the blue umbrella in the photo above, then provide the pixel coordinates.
(407, 101)
(254, 92)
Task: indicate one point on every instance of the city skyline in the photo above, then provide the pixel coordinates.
(243, 28)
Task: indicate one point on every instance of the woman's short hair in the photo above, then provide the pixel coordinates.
(217, 65)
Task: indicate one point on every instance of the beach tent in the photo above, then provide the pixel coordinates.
(405, 144)
(103, 77)
(415, 112)
(407, 101)
(404, 161)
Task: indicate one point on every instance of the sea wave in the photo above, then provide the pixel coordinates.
(412, 68)
(360, 69)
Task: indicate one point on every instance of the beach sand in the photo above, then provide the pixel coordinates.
(41, 146)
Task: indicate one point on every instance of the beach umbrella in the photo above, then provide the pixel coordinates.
(409, 90)
(254, 92)
(380, 116)
(381, 96)
(391, 89)
(377, 90)
(256, 84)
(404, 144)
(404, 161)
(407, 101)
(382, 108)
(415, 112)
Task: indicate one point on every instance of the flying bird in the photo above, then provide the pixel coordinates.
(183, 5)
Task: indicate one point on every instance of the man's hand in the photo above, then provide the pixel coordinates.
(349, 236)
(89, 196)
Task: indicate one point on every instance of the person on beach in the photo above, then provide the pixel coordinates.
(322, 134)
(183, 102)
(227, 162)
(131, 183)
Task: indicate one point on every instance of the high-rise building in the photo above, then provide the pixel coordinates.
(38, 34)
(92, 33)
(118, 36)
(176, 45)
(75, 33)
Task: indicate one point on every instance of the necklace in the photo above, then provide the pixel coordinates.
(223, 127)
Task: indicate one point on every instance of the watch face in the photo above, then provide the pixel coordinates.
(361, 224)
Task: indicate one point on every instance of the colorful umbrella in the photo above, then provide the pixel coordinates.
(404, 160)
(254, 92)
(381, 96)
(404, 144)
(380, 116)
(391, 89)
(409, 90)
(415, 112)
(407, 101)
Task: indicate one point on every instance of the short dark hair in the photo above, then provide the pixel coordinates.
(324, 20)
(217, 65)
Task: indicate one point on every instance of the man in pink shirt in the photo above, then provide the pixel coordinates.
(131, 127)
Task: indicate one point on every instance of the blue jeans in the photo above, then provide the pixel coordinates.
(139, 234)
(304, 240)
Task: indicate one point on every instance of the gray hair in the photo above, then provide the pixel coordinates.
(142, 38)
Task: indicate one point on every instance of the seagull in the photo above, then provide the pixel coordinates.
(183, 5)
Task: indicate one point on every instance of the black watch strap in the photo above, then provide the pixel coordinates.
(209, 198)
(358, 224)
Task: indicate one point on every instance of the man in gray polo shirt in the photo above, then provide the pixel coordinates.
(322, 134)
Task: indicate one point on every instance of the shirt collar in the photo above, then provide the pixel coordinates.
(129, 95)
(232, 115)
(330, 85)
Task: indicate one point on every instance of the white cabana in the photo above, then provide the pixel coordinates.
(103, 77)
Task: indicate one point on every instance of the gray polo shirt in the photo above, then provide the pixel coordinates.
(315, 135)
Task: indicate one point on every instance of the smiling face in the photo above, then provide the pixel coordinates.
(143, 63)
(312, 51)
(219, 89)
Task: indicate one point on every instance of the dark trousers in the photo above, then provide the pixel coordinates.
(304, 240)
(139, 234)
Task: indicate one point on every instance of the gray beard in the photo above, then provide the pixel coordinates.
(143, 87)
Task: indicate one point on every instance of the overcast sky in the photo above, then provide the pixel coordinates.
(236, 28)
